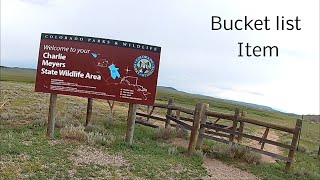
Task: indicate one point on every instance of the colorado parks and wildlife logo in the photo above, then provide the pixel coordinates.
(144, 66)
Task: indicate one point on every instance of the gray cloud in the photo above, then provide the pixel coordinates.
(194, 58)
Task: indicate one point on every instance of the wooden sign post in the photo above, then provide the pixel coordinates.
(130, 122)
(89, 111)
(51, 115)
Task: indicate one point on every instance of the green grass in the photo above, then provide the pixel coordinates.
(305, 167)
(148, 158)
(32, 156)
(17, 75)
(26, 153)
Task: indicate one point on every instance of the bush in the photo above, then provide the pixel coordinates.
(302, 148)
(109, 123)
(94, 128)
(238, 151)
(4, 116)
(252, 158)
(99, 138)
(166, 134)
(181, 132)
(235, 152)
(173, 151)
(78, 133)
(199, 154)
(217, 148)
(8, 136)
(26, 134)
(39, 122)
(74, 133)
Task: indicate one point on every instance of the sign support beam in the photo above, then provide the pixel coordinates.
(89, 111)
(51, 116)
(130, 123)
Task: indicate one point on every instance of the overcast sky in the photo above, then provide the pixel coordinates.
(194, 58)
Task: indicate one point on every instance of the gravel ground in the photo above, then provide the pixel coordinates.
(220, 171)
(217, 170)
(90, 155)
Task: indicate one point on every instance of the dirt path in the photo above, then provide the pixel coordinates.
(217, 169)
(267, 147)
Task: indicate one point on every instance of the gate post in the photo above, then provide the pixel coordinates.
(234, 125)
(294, 144)
(204, 119)
(199, 110)
(169, 113)
(241, 127)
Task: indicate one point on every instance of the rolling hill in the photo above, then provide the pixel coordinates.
(28, 75)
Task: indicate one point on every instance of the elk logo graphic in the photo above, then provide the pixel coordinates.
(144, 66)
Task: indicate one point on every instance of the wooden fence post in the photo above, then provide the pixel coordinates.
(294, 144)
(169, 113)
(204, 119)
(299, 134)
(89, 111)
(51, 115)
(241, 127)
(234, 125)
(265, 135)
(130, 122)
(199, 110)
(177, 118)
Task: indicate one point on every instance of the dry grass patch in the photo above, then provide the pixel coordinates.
(166, 134)
(86, 155)
(74, 133)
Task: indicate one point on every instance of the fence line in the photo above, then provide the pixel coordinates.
(201, 128)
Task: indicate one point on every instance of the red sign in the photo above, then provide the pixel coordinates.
(98, 68)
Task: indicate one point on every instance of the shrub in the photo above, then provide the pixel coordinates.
(40, 122)
(199, 154)
(252, 158)
(9, 135)
(61, 122)
(181, 132)
(165, 134)
(236, 152)
(218, 148)
(109, 123)
(302, 148)
(74, 133)
(26, 134)
(78, 133)
(173, 151)
(4, 116)
(99, 138)
(94, 128)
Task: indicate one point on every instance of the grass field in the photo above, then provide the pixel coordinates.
(82, 153)
(17, 74)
